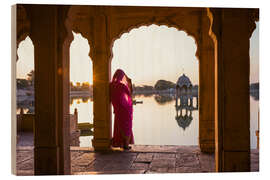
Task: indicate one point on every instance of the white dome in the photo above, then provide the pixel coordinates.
(183, 81)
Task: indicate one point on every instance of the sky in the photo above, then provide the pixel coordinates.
(146, 54)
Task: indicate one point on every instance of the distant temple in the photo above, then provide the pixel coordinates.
(184, 96)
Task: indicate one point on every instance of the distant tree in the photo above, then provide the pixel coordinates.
(146, 87)
(85, 86)
(163, 85)
(162, 99)
(72, 87)
(78, 84)
(31, 77)
(85, 99)
(22, 83)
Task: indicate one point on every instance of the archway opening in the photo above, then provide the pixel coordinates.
(25, 77)
(254, 88)
(25, 101)
(25, 93)
(81, 92)
(158, 59)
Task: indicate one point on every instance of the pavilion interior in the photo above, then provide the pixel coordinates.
(222, 37)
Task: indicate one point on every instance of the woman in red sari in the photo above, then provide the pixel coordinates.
(121, 98)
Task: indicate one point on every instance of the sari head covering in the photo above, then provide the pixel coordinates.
(122, 104)
(120, 77)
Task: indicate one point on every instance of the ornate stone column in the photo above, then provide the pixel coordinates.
(231, 30)
(206, 88)
(92, 23)
(101, 80)
(51, 52)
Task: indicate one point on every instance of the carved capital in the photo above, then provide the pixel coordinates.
(81, 20)
(253, 16)
(23, 24)
(214, 15)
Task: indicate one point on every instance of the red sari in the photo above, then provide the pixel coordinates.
(123, 111)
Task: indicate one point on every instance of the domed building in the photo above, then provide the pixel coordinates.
(183, 90)
(184, 101)
(183, 81)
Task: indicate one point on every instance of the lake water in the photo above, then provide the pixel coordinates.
(155, 123)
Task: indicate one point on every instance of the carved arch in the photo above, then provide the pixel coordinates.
(121, 20)
(22, 26)
(177, 18)
(214, 15)
(80, 20)
(128, 29)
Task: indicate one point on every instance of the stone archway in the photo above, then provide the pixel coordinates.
(102, 25)
(148, 54)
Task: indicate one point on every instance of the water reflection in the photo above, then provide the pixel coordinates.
(163, 99)
(79, 100)
(161, 120)
(183, 121)
(255, 94)
(185, 102)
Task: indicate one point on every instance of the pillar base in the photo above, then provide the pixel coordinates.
(207, 147)
(236, 161)
(46, 160)
(101, 144)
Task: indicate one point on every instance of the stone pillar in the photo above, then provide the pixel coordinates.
(231, 30)
(101, 80)
(206, 88)
(51, 54)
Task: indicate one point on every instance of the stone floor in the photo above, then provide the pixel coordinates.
(140, 160)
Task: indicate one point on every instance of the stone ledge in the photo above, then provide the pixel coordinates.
(146, 149)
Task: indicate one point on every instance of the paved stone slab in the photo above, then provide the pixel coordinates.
(207, 162)
(96, 165)
(111, 172)
(154, 148)
(160, 170)
(144, 157)
(113, 166)
(85, 159)
(254, 160)
(25, 172)
(164, 155)
(187, 170)
(162, 163)
(187, 149)
(27, 165)
(23, 156)
(116, 157)
(188, 160)
(140, 165)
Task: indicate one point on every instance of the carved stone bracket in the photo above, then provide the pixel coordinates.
(22, 26)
